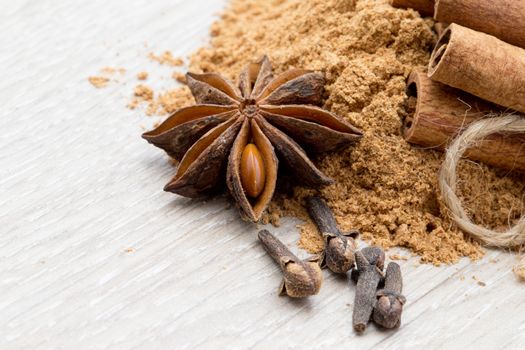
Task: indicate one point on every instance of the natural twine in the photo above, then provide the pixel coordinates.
(477, 131)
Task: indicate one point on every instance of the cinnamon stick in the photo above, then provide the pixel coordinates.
(424, 7)
(437, 113)
(504, 19)
(480, 64)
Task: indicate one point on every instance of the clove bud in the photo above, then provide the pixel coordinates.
(389, 305)
(301, 278)
(339, 247)
(370, 275)
(375, 256)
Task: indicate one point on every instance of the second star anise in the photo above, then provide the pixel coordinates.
(241, 132)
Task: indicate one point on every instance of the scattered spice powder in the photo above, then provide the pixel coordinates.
(98, 82)
(108, 70)
(112, 70)
(385, 187)
(144, 92)
(480, 283)
(180, 77)
(165, 102)
(167, 58)
(105, 77)
(142, 75)
(170, 101)
(398, 257)
(519, 270)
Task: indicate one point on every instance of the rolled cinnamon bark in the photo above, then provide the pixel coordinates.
(504, 19)
(424, 7)
(437, 113)
(480, 64)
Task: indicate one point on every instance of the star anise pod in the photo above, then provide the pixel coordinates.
(238, 131)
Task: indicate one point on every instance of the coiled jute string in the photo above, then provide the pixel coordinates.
(477, 131)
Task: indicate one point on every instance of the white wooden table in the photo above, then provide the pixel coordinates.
(93, 255)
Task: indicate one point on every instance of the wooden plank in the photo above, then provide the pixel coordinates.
(94, 255)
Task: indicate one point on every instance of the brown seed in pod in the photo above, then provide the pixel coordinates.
(253, 174)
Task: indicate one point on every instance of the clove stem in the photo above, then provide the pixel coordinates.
(322, 215)
(375, 256)
(370, 275)
(339, 247)
(275, 247)
(389, 305)
(301, 278)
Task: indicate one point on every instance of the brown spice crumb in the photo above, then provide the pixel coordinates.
(142, 75)
(103, 80)
(144, 92)
(165, 102)
(172, 100)
(166, 58)
(519, 269)
(480, 283)
(108, 70)
(178, 76)
(133, 104)
(112, 70)
(98, 82)
(398, 257)
(152, 108)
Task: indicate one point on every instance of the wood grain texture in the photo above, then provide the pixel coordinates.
(93, 255)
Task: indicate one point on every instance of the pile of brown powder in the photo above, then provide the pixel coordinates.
(385, 187)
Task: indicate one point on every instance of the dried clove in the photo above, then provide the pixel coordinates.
(375, 256)
(339, 247)
(389, 305)
(301, 278)
(370, 275)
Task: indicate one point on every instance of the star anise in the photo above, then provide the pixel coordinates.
(237, 131)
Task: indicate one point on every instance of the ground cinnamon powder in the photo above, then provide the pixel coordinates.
(385, 187)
